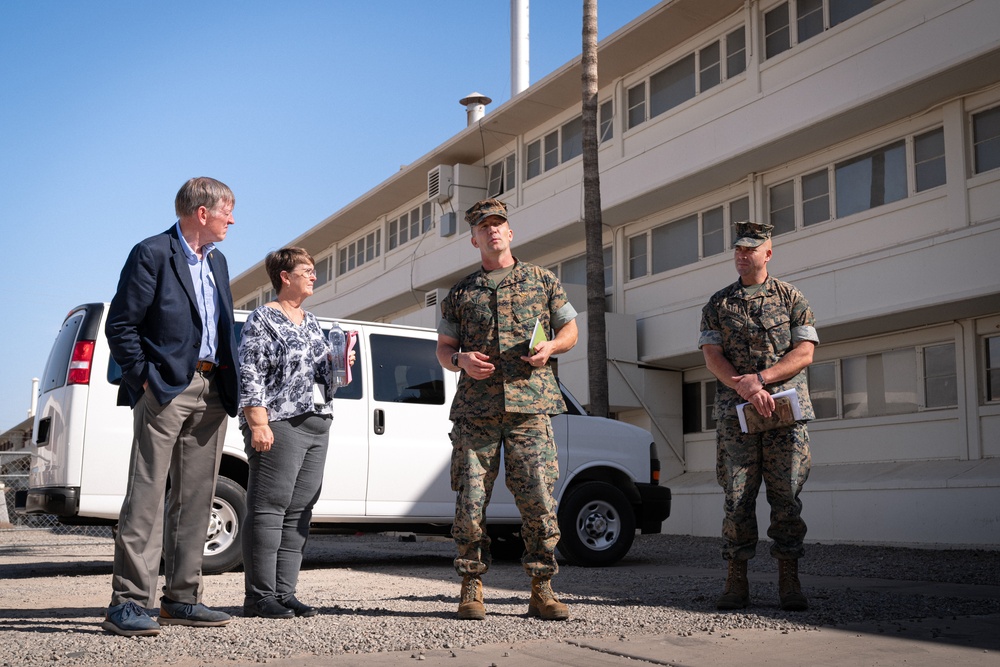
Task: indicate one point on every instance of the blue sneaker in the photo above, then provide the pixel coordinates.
(197, 615)
(130, 620)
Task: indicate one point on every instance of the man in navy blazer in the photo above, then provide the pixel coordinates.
(170, 327)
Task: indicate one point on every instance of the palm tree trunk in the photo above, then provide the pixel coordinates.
(597, 353)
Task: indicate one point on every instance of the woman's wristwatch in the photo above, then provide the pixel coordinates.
(454, 360)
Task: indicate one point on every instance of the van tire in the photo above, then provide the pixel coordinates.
(222, 542)
(597, 523)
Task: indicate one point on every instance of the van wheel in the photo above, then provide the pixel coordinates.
(597, 525)
(222, 542)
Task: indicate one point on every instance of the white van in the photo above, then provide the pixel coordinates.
(388, 465)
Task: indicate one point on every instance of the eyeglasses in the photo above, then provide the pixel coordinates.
(308, 273)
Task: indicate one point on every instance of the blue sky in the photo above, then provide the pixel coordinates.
(108, 106)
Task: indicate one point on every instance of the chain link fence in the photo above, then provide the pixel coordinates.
(14, 469)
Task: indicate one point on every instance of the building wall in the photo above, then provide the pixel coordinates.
(890, 283)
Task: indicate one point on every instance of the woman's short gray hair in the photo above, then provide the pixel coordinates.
(285, 260)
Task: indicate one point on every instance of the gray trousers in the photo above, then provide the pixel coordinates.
(183, 440)
(282, 490)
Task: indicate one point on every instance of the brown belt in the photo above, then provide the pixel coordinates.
(204, 367)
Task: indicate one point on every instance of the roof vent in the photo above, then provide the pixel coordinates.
(475, 107)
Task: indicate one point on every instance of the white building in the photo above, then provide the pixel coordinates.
(866, 131)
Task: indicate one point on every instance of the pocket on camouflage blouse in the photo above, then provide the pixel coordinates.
(779, 330)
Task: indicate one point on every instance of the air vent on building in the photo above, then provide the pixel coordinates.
(434, 297)
(439, 182)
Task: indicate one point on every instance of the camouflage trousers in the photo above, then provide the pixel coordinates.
(531, 471)
(781, 459)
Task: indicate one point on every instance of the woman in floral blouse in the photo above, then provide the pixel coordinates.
(285, 387)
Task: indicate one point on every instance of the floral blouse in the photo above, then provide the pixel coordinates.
(279, 364)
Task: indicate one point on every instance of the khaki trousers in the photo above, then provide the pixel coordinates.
(181, 440)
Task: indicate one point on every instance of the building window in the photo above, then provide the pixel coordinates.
(606, 125)
(363, 250)
(713, 232)
(268, 294)
(554, 148)
(736, 52)
(573, 271)
(698, 406)
(675, 244)
(672, 86)
(249, 304)
(739, 210)
(928, 160)
(408, 226)
(533, 163)
(880, 384)
(992, 359)
(426, 220)
(637, 257)
(782, 207)
(859, 183)
(815, 197)
(550, 150)
(777, 31)
(986, 139)
(823, 390)
(886, 383)
(940, 378)
(572, 139)
(808, 18)
(709, 66)
(871, 180)
(684, 241)
(841, 10)
(691, 75)
(637, 105)
(502, 176)
(324, 271)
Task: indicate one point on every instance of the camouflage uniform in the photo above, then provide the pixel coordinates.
(754, 333)
(512, 406)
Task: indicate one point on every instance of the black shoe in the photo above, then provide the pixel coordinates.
(197, 615)
(300, 609)
(266, 608)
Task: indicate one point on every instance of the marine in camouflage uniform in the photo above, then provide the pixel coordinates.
(505, 396)
(757, 336)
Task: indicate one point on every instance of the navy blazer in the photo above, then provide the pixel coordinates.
(154, 329)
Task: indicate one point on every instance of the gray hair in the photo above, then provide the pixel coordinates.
(201, 191)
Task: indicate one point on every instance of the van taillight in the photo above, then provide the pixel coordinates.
(79, 364)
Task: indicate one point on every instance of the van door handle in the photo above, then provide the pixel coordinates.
(379, 422)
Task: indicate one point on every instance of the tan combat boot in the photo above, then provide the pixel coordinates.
(543, 602)
(470, 604)
(789, 588)
(737, 592)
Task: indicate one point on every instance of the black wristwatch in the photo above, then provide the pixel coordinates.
(760, 378)
(454, 360)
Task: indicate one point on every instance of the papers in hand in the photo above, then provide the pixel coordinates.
(786, 412)
(537, 336)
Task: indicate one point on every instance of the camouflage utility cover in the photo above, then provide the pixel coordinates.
(755, 332)
(471, 309)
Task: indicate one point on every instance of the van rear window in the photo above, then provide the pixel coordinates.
(58, 364)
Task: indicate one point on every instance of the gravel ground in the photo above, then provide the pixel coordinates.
(381, 593)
